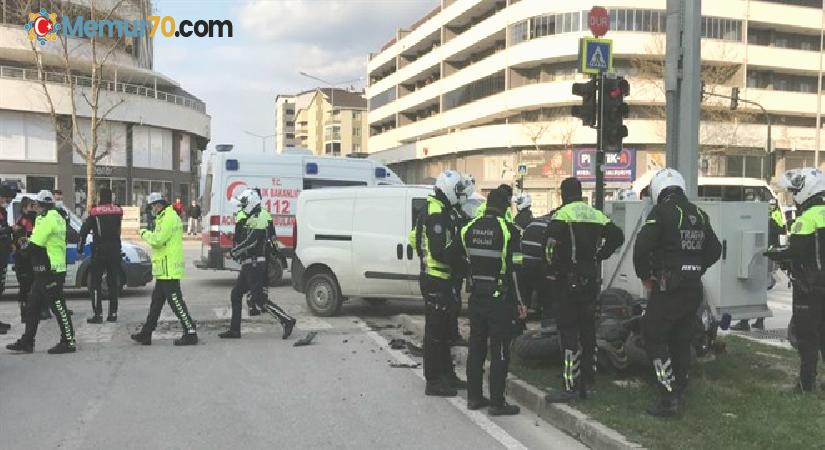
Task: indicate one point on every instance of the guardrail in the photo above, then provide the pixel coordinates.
(106, 85)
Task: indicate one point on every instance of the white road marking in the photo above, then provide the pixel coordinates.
(479, 419)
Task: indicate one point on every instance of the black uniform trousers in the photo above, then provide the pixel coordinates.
(252, 279)
(168, 291)
(809, 326)
(47, 287)
(439, 304)
(668, 327)
(491, 322)
(105, 262)
(577, 327)
(25, 278)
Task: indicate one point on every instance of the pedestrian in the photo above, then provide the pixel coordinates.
(104, 223)
(237, 238)
(524, 211)
(673, 249)
(251, 255)
(194, 214)
(47, 249)
(23, 269)
(492, 246)
(166, 242)
(580, 237)
(805, 254)
(437, 242)
(6, 235)
(178, 206)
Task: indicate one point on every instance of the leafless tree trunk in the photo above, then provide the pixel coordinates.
(101, 49)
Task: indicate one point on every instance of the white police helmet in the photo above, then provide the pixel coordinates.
(154, 197)
(454, 186)
(45, 196)
(664, 179)
(803, 183)
(523, 200)
(249, 200)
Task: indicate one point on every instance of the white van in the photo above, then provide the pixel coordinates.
(353, 243)
(281, 179)
(727, 189)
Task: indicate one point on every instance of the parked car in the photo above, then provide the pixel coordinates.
(136, 268)
(352, 242)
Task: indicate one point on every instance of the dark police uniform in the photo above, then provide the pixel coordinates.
(440, 254)
(492, 246)
(104, 223)
(806, 252)
(251, 254)
(23, 269)
(6, 236)
(580, 236)
(674, 248)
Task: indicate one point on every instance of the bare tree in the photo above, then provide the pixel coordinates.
(80, 88)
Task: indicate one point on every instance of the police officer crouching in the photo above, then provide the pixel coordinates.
(493, 248)
(47, 249)
(579, 237)
(673, 250)
(806, 253)
(104, 223)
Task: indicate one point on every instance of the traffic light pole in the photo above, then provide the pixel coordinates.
(599, 165)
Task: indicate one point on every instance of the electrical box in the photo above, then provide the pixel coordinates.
(736, 284)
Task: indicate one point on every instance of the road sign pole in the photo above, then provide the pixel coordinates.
(599, 166)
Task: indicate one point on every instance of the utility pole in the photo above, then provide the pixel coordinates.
(683, 87)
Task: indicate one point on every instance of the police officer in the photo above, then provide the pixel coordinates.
(580, 237)
(806, 255)
(251, 254)
(237, 238)
(6, 236)
(439, 250)
(673, 250)
(23, 269)
(524, 212)
(104, 223)
(47, 249)
(166, 241)
(492, 246)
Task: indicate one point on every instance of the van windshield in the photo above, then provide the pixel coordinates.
(735, 193)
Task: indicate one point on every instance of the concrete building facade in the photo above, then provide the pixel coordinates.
(484, 86)
(153, 134)
(328, 121)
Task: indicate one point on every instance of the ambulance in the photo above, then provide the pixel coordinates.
(281, 178)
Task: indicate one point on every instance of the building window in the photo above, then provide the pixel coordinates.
(332, 133)
(356, 148)
(382, 99)
(151, 148)
(356, 131)
(289, 112)
(476, 90)
(720, 28)
(734, 166)
(290, 123)
(519, 32)
(185, 157)
(290, 135)
(27, 137)
(332, 148)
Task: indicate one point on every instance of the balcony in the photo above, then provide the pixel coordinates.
(19, 73)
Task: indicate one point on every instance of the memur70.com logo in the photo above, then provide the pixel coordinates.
(44, 26)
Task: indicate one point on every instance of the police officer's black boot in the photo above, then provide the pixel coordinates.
(62, 347)
(144, 337)
(190, 338)
(452, 380)
(112, 317)
(230, 334)
(22, 346)
(571, 375)
(440, 389)
(95, 319)
(504, 409)
(474, 404)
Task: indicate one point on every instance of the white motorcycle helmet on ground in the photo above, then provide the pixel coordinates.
(523, 200)
(454, 186)
(663, 180)
(249, 199)
(803, 183)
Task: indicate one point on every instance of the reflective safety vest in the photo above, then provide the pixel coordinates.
(581, 238)
(486, 241)
(432, 266)
(50, 233)
(778, 217)
(166, 241)
(812, 223)
(482, 210)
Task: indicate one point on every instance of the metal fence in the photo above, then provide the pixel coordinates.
(106, 85)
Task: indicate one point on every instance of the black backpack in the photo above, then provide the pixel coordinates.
(534, 243)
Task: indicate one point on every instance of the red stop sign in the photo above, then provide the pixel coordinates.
(599, 21)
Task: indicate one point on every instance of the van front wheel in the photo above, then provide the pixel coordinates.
(323, 295)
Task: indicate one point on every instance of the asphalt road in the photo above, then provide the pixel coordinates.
(257, 392)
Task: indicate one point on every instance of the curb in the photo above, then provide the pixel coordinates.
(564, 417)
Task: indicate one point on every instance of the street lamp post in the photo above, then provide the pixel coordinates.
(263, 138)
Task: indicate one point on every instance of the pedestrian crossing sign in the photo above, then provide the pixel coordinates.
(596, 55)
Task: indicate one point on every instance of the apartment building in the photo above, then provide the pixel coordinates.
(329, 121)
(484, 86)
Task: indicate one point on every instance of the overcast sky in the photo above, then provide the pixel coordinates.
(239, 77)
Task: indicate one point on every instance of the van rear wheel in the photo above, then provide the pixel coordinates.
(323, 295)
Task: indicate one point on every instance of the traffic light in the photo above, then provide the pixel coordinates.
(587, 110)
(734, 98)
(615, 111)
